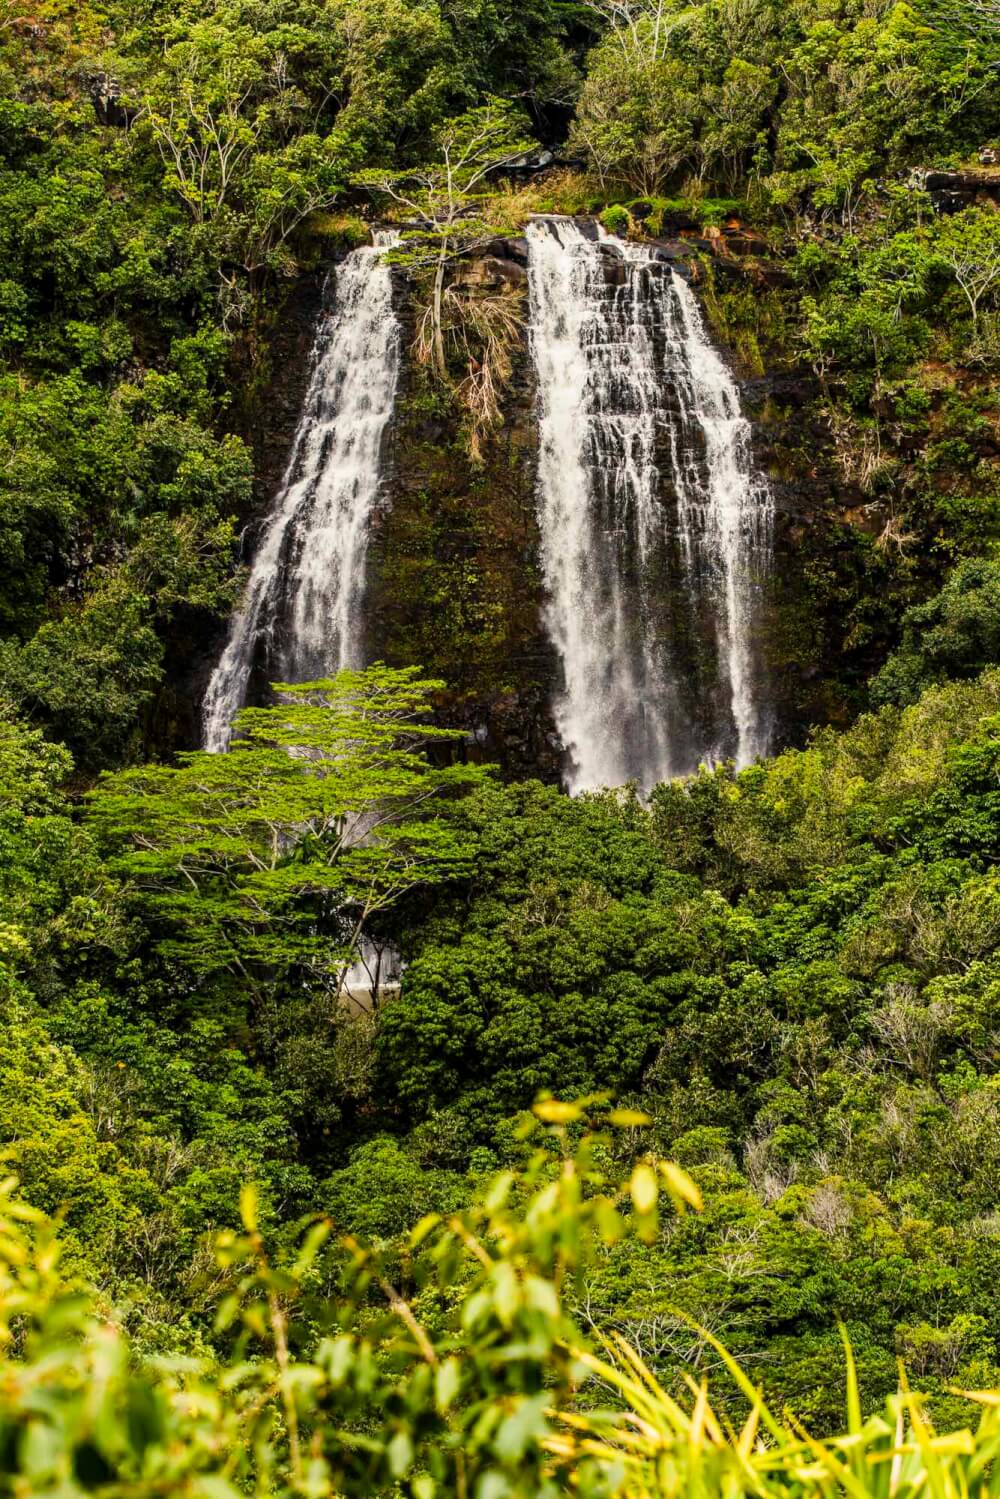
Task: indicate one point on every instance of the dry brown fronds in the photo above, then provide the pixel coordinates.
(490, 328)
(859, 450)
(481, 328)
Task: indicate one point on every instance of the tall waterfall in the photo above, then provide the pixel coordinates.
(656, 527)
(301, 614)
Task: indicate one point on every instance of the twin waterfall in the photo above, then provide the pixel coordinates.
(302, 613)
(655, 526)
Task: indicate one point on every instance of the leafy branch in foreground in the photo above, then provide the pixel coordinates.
(442, 1369)
(275, 855)
(454, 1368)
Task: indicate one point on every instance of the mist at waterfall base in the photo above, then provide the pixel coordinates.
(655, 526)
(302, 613)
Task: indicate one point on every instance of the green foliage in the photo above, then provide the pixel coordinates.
(474, 1383)
(375, 1193)
(954, 635)
(56, 897)
(277, 854)
(867, 322)
(969, 244)
(666, 1449)
(793, 970)
(616, 219)
(806, 100)
(82, 459)
(87, 674)
(138, 1139)
(464, 1384)
(227, 114)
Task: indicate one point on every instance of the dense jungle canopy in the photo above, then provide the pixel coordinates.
(775, 986)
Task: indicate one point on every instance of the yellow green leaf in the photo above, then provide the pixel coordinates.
(248, 1207)
(680, 1186)
(629, 1118)
(643, 1188)
(554, 1111)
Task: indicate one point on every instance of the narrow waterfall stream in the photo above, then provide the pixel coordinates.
(301, 613)
(656, 528)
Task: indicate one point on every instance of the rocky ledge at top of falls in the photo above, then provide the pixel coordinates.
(731, 245)
(951, 191)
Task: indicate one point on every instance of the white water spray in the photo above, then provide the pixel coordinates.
(301, 613)
(655, 526)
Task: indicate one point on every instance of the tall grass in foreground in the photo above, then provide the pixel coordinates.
(658, 1448)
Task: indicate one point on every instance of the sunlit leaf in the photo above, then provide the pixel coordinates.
(643, 1188)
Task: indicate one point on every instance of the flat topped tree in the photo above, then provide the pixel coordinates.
(445, 193)
(271, 857)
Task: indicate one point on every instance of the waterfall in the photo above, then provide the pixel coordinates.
(725, 515)
(655, 525)
(301, 613)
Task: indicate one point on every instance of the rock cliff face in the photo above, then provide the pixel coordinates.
(454, 580)
(822, 526)
(950, 192)
(453, 574)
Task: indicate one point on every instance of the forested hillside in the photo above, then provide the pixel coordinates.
(696, 307)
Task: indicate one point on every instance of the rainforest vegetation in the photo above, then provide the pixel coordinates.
(671, 1081)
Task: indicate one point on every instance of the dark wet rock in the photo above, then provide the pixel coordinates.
(454, 572)
(950, 192)
(491, 270)
(105, 94)
(738, 242)
(513, 248)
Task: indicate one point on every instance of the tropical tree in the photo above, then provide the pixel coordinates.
(954, 635)
(276, 855)
(445, 197)
(640, 109)
(969, 244)
(237, 138)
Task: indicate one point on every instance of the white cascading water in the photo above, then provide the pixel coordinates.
(655, 526)
(725, 514)
(301, 612)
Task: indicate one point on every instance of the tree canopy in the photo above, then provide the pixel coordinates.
(278, 853)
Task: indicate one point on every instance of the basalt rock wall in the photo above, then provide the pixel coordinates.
(454, 581)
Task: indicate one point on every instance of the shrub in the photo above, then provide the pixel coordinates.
(616, 219)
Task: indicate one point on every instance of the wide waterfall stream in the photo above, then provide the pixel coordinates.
(301, 614)
(656, 528)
